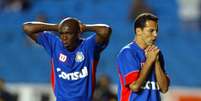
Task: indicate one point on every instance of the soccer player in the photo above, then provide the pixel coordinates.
(73, 59)
(140, 64)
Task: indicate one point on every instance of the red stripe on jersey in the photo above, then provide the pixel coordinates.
(52, 75)
(125, 91)
(132, 76)
(95, 62)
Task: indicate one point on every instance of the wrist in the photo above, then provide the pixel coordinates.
(83, 27)
(149, 62)
(157, 62)
(52, 27)
(56, 27)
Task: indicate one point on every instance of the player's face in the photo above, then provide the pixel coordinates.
(68, 36)
(149, 32)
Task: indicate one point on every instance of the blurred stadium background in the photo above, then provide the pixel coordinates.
(25, 66)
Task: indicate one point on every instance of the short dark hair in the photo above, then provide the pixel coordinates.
(72, 19)
(72, 23)
(141, 19)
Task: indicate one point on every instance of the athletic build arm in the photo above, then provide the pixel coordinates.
(102, 31)
(33, 28)
(161, 77)
(151, 54)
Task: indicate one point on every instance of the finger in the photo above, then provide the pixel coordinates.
(157, 50)
(147, 49)
(152, 48)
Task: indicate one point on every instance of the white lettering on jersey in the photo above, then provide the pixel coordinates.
(62, 57)
(150, 85)
(74, 75)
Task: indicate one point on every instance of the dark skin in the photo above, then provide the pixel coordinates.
(69, 33)
(70, 30)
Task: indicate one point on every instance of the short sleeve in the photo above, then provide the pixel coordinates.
(129, 66)
(47, 40)
(95, 47)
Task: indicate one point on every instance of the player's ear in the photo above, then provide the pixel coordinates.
(138, 31)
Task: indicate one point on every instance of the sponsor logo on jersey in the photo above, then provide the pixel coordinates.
(73, 75)
(79, 57)
(62, 57)
(150, 85)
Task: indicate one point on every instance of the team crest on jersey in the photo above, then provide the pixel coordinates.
(62, 57)
(79, 57)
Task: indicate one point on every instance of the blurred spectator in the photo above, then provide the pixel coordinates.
(138, 7)
(199, 15)
(189, 12)
(1, 4)
(4, 94)
(103, 91)
(16, 5)
(41, 17)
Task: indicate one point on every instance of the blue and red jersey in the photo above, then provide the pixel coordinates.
(130, 61)
(73, 73)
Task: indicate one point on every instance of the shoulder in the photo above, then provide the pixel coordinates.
(47, 37)
(92, 36)
(127, 50)
(49, 34)
(90, 41)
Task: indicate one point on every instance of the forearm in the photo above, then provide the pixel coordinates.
(35, 27)
(161, 77)
(146, 68)
(98, 28)
(103, 31)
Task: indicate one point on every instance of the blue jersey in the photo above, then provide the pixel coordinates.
(73, 73)
(130, 60)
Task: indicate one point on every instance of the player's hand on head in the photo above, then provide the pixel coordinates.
(82, 27)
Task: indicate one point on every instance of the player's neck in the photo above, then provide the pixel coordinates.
(140, 43)
(74, 46)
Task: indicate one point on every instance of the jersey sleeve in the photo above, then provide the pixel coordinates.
(129, 66)
(47, 40)
(95, 47)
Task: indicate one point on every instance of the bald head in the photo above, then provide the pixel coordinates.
(69, 25)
